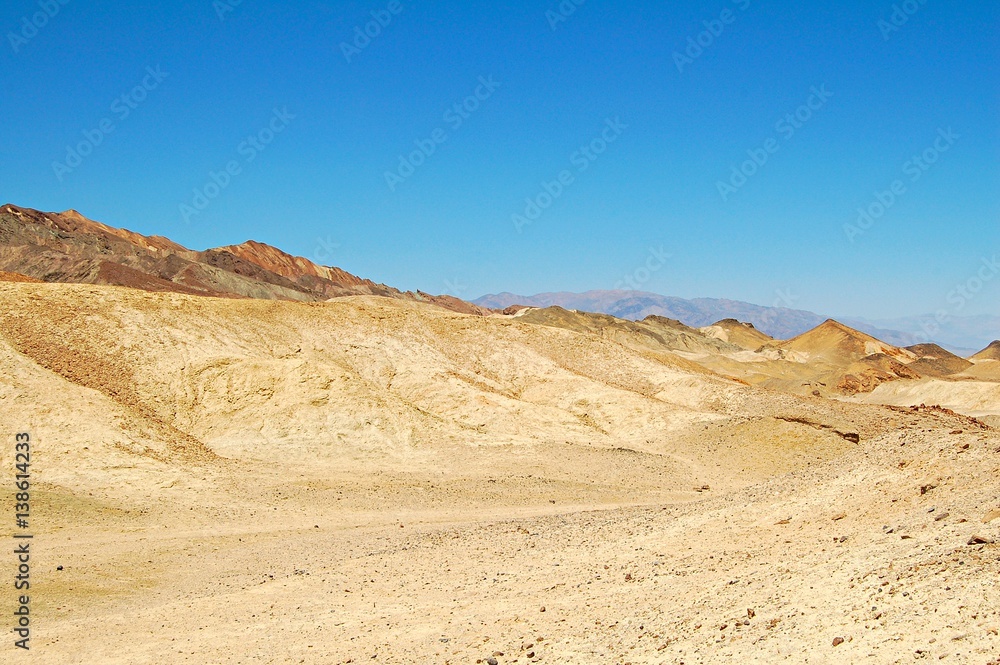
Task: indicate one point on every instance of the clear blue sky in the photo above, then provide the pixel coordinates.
(448, 227)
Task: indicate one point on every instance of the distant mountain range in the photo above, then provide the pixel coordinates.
(962, 335)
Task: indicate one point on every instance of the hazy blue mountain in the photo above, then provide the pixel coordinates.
(963, 335)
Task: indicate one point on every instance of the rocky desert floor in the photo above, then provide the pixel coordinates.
(366, 480)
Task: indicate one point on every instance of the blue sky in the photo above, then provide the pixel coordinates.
(668, 129)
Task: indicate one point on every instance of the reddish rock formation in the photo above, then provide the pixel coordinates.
(68, 247)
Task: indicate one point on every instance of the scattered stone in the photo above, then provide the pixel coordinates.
(839, 516)
(853, 437)
(491, 661)
(750, 613)
(542, 608)
(837, 641)
(979, 540)
(924, 489)
(992, 515)
(942, 516)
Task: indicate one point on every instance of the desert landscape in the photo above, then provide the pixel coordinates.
(240, 456)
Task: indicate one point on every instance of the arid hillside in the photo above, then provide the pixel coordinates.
(239, 480)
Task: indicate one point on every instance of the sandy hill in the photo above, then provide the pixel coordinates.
(243, 480)
(740, 333)
(68, 247)
(680, 337)
(991, 352)
(837, 343)
(932, 360)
